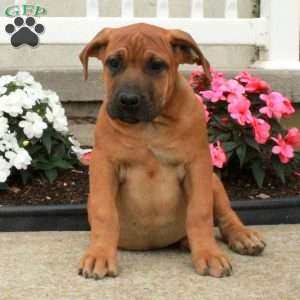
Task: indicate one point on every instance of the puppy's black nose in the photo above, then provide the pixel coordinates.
(129, 100)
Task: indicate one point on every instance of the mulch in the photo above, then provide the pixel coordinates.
(72, 187)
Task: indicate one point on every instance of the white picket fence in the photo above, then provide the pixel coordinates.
(275, 32)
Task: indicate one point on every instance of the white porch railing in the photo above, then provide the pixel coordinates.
(275, 32)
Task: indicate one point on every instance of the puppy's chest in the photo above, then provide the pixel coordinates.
(153, 187)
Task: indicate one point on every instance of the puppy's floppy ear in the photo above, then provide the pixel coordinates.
(187, 51)
(95, 48)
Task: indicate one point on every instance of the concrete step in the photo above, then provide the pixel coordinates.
(71, 87)
(84, 130)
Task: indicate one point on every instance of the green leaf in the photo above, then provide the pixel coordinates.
(219, 123)
(229, 146)
(59, 150)
(43, 165)
(51, 174)
(46, 140)
(276, 126)
(279, 168)
(229, 154)
(241, 153)
(251, 142)
(3, 186)
(224, 136)
(258, 172)
(62, 164)
(25, 176)
(35, 149)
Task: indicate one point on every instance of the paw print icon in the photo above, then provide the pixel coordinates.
(24, 32)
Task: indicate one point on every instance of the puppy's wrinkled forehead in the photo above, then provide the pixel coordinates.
(136, 43)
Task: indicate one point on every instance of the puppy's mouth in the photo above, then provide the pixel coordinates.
(126, 118)
(144, 112)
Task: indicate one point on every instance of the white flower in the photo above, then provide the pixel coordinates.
(12, 103)
(19, 104)
(3, 145)
(79, 152)
(23, 78)
(4, 169)
(33, 125)
(3, 126)
(56, 115)
(4, 80)
(3, 90)
(37, 86)
(32, 96)
(20, 159)
(52, 98)
(9, 141)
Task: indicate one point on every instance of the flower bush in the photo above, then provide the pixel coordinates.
(243, 116)
(34, 135)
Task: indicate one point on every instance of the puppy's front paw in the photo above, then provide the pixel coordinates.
(245, 241)
(213, 263)
(98, 263)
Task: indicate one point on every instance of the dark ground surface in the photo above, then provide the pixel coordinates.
(72, 187)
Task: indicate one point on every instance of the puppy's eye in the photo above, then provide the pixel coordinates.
(114, 63)
(156, 66)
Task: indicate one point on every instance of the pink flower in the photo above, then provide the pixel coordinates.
(283, 149)
(244, 77)
(253, 84)
(213, 96)
(232, 87)
(200, 99)
(218, 81)
(276, 105)
(196, 74)
(293, 137)
(217, 154)
(197, 80)
(261, 130)
(216, 74)
(285, 146)
(86, 158)
(222, 88)
(216, 92)
(238, 108)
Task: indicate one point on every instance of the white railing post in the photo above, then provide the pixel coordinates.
(282, 49)
(162, 8)
(127, 9)
(231, 9)
(92, 8)
(197, 9)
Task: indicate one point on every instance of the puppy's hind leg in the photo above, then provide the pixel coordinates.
(239, 238)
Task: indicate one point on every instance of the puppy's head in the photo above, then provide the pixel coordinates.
(140, 67)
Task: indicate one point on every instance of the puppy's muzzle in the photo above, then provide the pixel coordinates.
(131, 107)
